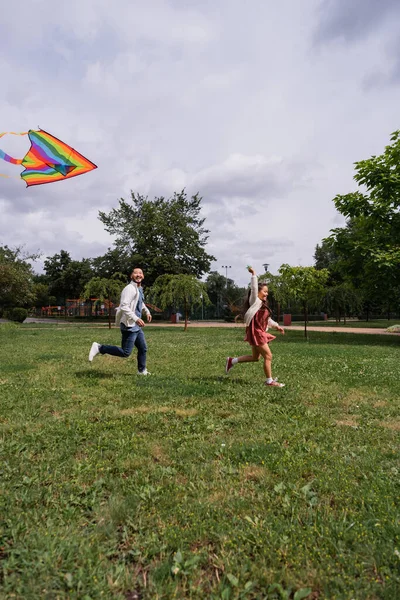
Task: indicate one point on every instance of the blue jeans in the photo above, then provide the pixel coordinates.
(131, 336)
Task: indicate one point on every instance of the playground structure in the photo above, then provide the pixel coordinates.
(95, 307)
(75, 307)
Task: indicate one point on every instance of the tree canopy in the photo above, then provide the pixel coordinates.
(367, 249)
(16, 278)
(162, 235)
(179, 290)
(304, 284)
(106, 290)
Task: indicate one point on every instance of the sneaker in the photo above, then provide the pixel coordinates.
(274, 383)
(94, 350)
(228, 364)
(145, 372)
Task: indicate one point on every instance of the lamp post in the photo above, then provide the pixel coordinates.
(226, 267)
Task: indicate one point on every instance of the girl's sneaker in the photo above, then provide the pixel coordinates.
(274, 383)
(228, 365)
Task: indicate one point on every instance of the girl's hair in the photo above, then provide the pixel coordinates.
(246, 304)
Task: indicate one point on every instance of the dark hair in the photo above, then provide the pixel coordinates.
(246, 303)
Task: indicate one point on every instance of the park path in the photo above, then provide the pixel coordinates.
(328, 329)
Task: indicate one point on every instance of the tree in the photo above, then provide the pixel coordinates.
(55, 267)
(343, 299)
(77, 274)
(41, 291)
(16, 278)
(162, 235)
(304, 284)
(326, 257)
(106, 290)
(67, 277)
(113, 261)
(224, 294)
(186, 290)
(279, 292)
(368, 246)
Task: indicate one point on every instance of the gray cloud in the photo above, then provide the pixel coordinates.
(218, 98)
(352, 20)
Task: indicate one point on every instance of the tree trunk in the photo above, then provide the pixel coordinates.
(109, 313)
(279, 312)
(305, 320)
(186, 316)
(344, 318)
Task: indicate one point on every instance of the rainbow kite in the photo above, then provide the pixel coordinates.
(48, 159)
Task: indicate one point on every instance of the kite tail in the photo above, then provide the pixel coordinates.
(10, 159)
(7, 157)
(13, 133)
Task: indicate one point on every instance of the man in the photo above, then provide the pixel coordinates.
(129, 318)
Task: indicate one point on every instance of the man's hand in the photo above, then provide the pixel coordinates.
(281, 330)
(251, 270)
(149, 317)
(140, 322)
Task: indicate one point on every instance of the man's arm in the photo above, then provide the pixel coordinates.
(148, 313)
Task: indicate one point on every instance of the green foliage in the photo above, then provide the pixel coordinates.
(66, 277)
(18, 314)
(304, 285)
(41, 292)
(16, 278)
(115, 260)
(342, 300)
(105, 289)
(367, 249)
(225, 295)
(192, 485)
(162, 235)
(179, 290)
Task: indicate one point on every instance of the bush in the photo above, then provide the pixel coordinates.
(18, 314)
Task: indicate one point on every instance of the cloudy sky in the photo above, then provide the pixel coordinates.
(261, 106)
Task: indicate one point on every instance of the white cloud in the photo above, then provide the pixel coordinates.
(235, 101)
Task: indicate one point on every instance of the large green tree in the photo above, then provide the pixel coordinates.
(305, 285)
(113, 261)
(66, 277)
(367, 249)
(162, 235)
(16, 278)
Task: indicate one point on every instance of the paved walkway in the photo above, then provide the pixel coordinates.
(328, 329)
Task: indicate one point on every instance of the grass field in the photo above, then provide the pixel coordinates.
(190, 484)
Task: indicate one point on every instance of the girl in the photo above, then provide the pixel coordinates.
(257, 319)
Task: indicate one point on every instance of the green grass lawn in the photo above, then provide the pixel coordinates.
(191, 484)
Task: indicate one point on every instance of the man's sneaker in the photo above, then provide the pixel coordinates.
(145, 372)
(94, 350)
(274, 383)
(228, 364)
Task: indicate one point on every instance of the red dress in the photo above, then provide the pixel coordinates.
(255, 332)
